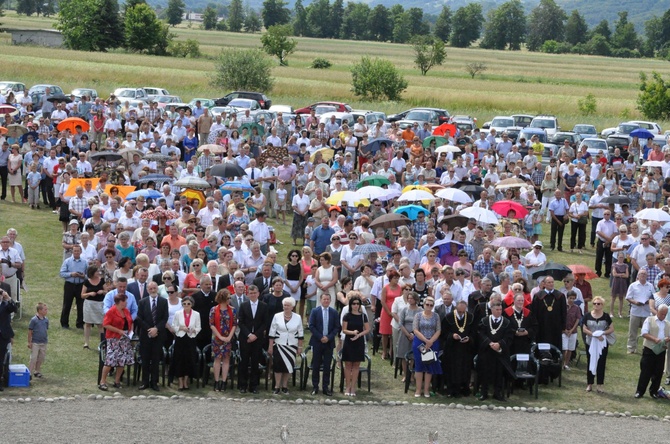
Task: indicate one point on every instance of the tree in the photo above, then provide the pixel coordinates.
(546, 22)
(376, 79)
(505, 27)
(337, 18)
(603, 29)
(300, 26)
(475, 68)
(26, 7)
(90, 25)
(598, 45)
(624, 35)
(275, 12)
(144, 32)
(417, 25)
(252, 22)
(355, 23)
(209, 18)
(443, 24)
(48, 9)
(576, 29)
(174, 11)
(428, 52)
(402, 28)
(379, 24)
(317, 13)
(653, 31)
(466, 25)
(276, 42)
(654, 98)
(243, 69)
(235, 16)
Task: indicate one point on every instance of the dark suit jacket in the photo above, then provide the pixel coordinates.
(316, 326)
(257, 325)
(145, 320)
(495, 278)
(134, 288)
(224, 281)
(6, 309)
(158, 278)
(258, 282)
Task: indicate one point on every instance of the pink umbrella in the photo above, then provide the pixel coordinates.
(511, 242)
(503, 208)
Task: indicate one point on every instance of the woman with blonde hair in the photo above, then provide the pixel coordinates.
(597, 327)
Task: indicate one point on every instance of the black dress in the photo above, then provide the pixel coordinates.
(354, 351)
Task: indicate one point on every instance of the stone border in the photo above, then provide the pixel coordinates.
(335, 402)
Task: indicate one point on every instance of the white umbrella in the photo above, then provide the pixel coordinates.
(372, 192)
(192, 182)
(512, 182)
(447, 149)
(454, 195)
(655, 164)
(653, 214)
(415, 196)
(481, 215)
(129, 153)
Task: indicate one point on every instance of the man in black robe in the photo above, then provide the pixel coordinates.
(523, 323)
(550, 310)
(483, 295)
(495, 337)
(460, 333)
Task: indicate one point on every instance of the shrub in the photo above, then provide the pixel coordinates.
(243, 69)
(319, 63)
(587, 106)
(475, 68)
(377, 79)
(189, 48)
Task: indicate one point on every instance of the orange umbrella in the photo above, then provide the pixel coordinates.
(3, 130)
(194, 194)
(583, 269)
(124, 190)
(444, 129)
(74, 183)
(71, 123)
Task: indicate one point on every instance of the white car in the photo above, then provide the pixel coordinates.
(652, 127)
(153, 92)
(547, 123)
(339, 118)
(284, 109)
(501, 123)
(595, 146)
(131, 93)
(243, 104)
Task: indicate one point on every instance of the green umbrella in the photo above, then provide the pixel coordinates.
(376, 180)
(439, 141)
(251, 125)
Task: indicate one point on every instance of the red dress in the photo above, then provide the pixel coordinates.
(385, 319)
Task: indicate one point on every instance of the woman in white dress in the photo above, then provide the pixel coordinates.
(326, 278)
(286, 336)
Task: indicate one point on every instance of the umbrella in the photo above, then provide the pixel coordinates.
(3, 130)
(146, 193)
(375, 145)
(59, 98)
(182, 107)
(511, 242)
(390, 194)
(74, 183)
(124, 190)
(23, 139)
(444, 246)
(351, 197)
(655, 164)
(454, 195)
(192, 182)
(372, 192)
(447, 149)
(455, 220)
(471, 189)
(250, 125)
(411, 211)
(557, 271)
(391, 220)
(583, 269)
(482, 215)
(433, 187)
(109, 155)
(641, 133)
(375, 179)
(158, 157)
(415, 196)
(159, 212)
(416, 187)
(620, 200)
(445, 128)
(128, 154)
(156, 178)
(8, 109)
(327, 154)
(653, 214)
(370, 248)
(73, 122)
(194, 194)
(512, 182)
(16, 130)
(236, 186)
(213, 148)
(503, 207)
(227, 170)
(439, 140)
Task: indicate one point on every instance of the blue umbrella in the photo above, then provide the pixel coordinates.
(444, 247)
(375, 145)
(23, 139)
(371, 248)
(641, 133)
(411, 211)
(147, 194)
(236, 186)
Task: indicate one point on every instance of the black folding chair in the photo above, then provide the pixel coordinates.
(525, 369)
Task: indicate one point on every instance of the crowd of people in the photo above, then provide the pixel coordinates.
(198, 274)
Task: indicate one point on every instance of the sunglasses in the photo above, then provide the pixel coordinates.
(171, 292)
(197, 265)
(597, 303)
(428, 305)
(355, 303)
(186, 304)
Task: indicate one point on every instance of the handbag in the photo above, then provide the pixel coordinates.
(583, 220)
(610, 338)
(428, 356)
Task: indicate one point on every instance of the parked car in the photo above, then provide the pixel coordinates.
(282, 109)
(437, 115)
(652, 127)
(522, 120)
(339, 118)
(562, 136)
(550, 149)
(153, 92)
(595, 146)
(218, 110)
(164, 101)
(206, 103)
(8, 86)
(513, 133)
(261, 98)
(585, 130)
(622, 128)
(546, 122)
(131, 93)
(620, 141)
(338, 107)
(370, 117)
(243, 104)
(37, 91)
(501, 123)
(78, 93)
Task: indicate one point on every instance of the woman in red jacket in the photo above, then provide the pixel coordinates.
(117, 324)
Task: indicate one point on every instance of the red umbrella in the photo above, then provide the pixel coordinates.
(583, 269)
(444, 129)
(503, 208)
(7, 109)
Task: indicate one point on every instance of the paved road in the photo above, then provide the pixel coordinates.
(183, 421)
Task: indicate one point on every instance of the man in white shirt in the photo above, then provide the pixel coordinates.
(639, 294)
(273, 139)
(597, 209)
(269, 183)
(333, 127)
(482, 144)
(58, 115)
(113, 123)
(179, 132)
(398, 164)
(189, 171)
(113, 214)
(207, 214)
(261, 231)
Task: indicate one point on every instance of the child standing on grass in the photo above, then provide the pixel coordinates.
(308, 230)
(573, 317)
(34, 179)
(281, 201)
(37, 339)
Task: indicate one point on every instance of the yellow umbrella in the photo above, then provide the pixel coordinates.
(350, 197)
(74, 183)
(124, 190)
(327, 154)
(194, 194)
(416, 187)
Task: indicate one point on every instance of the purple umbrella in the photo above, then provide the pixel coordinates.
(511, 242)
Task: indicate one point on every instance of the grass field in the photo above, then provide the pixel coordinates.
(515, 82)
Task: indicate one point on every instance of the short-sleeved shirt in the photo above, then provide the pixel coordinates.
(39, 328)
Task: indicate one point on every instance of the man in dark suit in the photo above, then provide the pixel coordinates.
(494, 276)
(239, 296)
(204, 300)
(264, 280)
(152, 315)
(7, 307)
(253, 320)
(139, 287)
(495, 337)
(324, 323)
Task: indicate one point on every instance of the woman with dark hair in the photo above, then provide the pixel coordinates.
(341, 296)
(406, 322)
(93, 293)
(186, 325)
(274, 295)
(294, 274)
(117, 324)
(391, 291)
(222, 321)
(125, 269)
(420, 287)
(355, 327)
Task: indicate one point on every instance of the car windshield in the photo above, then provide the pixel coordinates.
(126, 93)
(423, 116)
(325, 109)
(502, 123)
(584, 129)
(596, 144)
(523, 120)
(528, 136)
(559, 138)
(4, 85)
(240, 103)
(627, 128)
(542, 123)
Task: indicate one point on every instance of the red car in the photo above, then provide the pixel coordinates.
(339, 107)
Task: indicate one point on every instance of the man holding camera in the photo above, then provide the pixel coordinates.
(7, 307)
(11, 262)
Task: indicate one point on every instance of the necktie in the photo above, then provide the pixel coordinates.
(252, 174)
(266, 285)
(325, 322)
(154, 310)
(142, 291)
